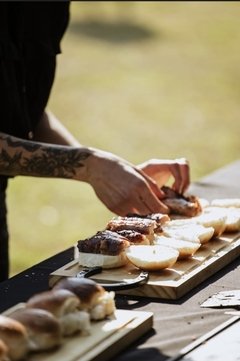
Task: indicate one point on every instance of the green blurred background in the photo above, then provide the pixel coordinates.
(142, 80)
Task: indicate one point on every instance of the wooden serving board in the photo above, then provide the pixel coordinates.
(107, 338)
(169, 283)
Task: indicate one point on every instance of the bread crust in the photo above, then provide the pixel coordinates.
(43, 329)
(14, 334)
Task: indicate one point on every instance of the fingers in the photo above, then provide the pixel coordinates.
(141, 200)
(181, 175)
(140, 205)
(161, 170)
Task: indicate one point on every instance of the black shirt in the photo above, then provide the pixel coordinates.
(30, 36)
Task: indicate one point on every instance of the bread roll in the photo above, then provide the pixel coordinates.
(63, 304)
(43, 329)
(102, 260)
(226, 202)
(203, 202)
(105, 249)
(191, 232)
(152, 258)
(91, 296)
(233, 220)
(213, 218)
(230, 214)
(185, 248)
(58, 302)
(3, 352)
(14, 335)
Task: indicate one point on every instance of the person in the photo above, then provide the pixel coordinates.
(35, 143)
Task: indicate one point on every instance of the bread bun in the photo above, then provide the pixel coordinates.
(230, 214)
(102, 260)
(63, 304)
(152, 258)
(3, 351)
(233, 220)
(203, 202)
(58, 302)
(185, 248)
(226, 202)
(93, 297)
(213, 218)
(191, 232)
(43, 329)
(87, 290)
(14, 335)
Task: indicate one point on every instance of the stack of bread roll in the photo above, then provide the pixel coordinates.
(47, 318)
(156, 241)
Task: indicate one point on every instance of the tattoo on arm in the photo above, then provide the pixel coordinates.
(43, 161)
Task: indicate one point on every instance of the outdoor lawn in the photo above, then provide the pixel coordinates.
(142, 80)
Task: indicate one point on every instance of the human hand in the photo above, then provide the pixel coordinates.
(122, 187)
(161, 170)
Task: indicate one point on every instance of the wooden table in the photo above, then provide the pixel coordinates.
(176, 322)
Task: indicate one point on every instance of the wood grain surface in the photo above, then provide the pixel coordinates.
(169, 283)
(106, 339)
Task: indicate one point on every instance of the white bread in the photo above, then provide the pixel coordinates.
(93, 297)
(215, 218)
(185, 248)
(204, 202)
(233, 220)
(3, 352)
(102, 260)
(63, 304)
(104, 307)
(14, 335)
(231, 215)
(43, 329)
(152, 258)
(191, 231)
(226, 202)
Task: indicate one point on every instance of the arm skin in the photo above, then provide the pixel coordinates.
(54, 152)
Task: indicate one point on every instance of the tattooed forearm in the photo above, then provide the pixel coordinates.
(20, 157)
(29, 146)
(55, 162)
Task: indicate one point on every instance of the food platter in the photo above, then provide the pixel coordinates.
(106, 339)
(170, 283)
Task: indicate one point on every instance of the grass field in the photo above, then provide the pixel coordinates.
(142, 80)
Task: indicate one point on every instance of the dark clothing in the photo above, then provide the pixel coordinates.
(30, 35)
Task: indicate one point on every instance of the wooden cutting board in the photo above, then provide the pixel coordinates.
(169, 283)
(107, 338)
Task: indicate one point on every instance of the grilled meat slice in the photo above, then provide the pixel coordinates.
(188, 206)
(104, 242)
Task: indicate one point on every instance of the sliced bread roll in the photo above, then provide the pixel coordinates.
(185, 248)
(14, 335)
(226, 202)
(43, 329)
(152, 258)
(213, 217)
(93, 297)
(230, 214)
(64, 305)
(102, 260)
(191, 232)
